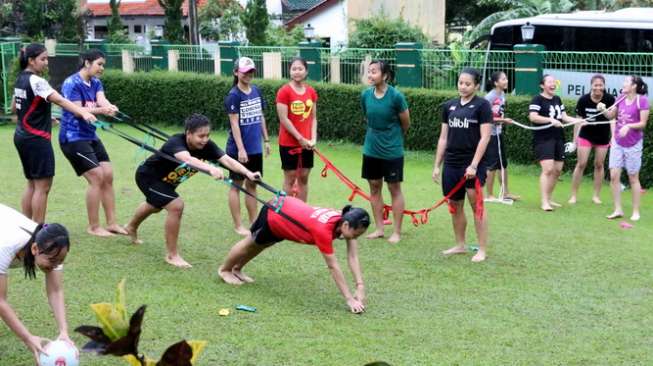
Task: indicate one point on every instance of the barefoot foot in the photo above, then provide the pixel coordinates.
(546, 207)
(177, 261)
(241, 230)
(635, 216)
(133, 235)
(554, 204)
(458, 249)
(117, 229)
(572, 200)
(375, 235)
(99, 231)
(596, 200)
(228, 277)
(479, 256)
(394, 238)
(242, 276)
(615, 215)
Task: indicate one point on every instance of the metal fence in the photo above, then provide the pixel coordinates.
(439, 67)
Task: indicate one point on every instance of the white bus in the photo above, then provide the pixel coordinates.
(601, 42)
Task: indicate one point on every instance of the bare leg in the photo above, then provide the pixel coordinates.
(26, 199)
(302, 183)
(398, 205)
(239, 255)
(557, 172)
(95, 178)
(459, 225)
(143, 211)
(234, 208)
(376, 201)
(289, 177)
(109, 199)
(546, 179)
(636, 188)
(40, 199)
(489, 184)
(173, 222)
(481, 228)
(250, 202)
(583, 154)
(615, 185)
(599, 171)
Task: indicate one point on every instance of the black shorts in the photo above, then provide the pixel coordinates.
(261, 229)
(493, 160)
(157, 192)
(254, 164)
(36, 156)
(85, 155)
(552, 149)
(451, 176)
(391, 170)
(291, 161)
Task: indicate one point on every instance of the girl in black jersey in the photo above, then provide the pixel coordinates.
(588, 137)
(159, 177)
(547, 108)
(31, 103)
(465, 134)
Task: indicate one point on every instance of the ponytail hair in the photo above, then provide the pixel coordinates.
(196, 121)
(31, 51)
(355, 216)
(90, 56)
(50, 239)
(386, 70)
(641, 87)
(494, 78)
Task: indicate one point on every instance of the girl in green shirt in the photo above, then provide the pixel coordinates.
(387, 116)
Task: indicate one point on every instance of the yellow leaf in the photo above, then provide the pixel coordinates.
(121, 306)
(198, 347)
(114, 325)
(133, 361)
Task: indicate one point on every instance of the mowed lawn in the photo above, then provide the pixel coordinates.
(561, 288)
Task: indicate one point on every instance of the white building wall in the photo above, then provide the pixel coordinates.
(331, 23)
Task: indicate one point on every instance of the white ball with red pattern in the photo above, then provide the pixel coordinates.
(59, 353)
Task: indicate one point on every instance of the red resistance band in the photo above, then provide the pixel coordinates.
(297, 151)
(417, 217)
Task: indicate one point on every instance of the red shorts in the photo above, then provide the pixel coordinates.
(586, 143)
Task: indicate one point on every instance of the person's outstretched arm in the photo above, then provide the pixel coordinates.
(356, 306)
(54, 289)
(355, 267)
(9, 316)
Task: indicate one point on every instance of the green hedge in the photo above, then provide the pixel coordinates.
(157, 97)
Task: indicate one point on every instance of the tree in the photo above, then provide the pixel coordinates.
(517, 9)
(381, 32)
(7, 21)
(34, 20)
(256, 20)
(279, 36)
(64, 18)
(173, 31)
(209, 19)
(115, 27)
(231, 24)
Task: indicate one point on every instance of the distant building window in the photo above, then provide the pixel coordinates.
(101, 31)
(138, 28)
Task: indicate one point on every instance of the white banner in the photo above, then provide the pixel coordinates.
(573, 84)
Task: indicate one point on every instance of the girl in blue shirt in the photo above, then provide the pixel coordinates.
(81, 145)
(244, 105)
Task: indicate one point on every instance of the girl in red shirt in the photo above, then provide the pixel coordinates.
(305, 224)
(296, 108)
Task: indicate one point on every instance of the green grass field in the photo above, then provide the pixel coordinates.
(561, 288)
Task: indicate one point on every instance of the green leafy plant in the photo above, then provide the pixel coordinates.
(256, 20)
(381, 31)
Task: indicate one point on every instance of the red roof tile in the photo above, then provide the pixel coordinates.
(142, 8)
